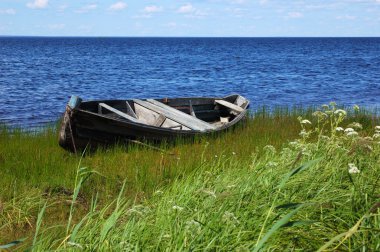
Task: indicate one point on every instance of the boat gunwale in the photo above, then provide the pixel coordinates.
(223, 127)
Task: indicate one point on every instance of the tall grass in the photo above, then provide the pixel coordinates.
(259, 187)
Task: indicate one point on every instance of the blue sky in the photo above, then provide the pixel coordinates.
(251, 18)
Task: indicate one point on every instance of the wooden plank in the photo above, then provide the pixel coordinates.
(118, 112)
(230, 105)
(178, 116)
(240, 100)
(193, 120)
(170, 124)
(130, 110)
(191, 109)
(145, 115)
(160, 120)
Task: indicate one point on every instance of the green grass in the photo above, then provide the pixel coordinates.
(261, 186)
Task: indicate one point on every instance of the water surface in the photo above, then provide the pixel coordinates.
(37, 75)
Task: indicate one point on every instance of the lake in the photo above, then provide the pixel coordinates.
(38, 74)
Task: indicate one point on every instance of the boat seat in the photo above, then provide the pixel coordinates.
(180, 117)
(230, 105)
(120, 113)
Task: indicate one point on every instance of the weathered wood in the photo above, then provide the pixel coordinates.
(145, 115)
(160, 120)
(170, 124)
(119, 113)
(230, 105)
(179, 115)
(168, 114)
(89, 127)
(191, 109)
(130, 110)
(240, 100)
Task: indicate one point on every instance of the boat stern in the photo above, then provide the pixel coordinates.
(66, 136)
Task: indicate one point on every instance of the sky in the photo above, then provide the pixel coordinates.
(192, 18)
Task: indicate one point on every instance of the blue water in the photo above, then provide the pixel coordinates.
(37, 75)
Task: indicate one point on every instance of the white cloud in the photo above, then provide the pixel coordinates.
(186, 9)
(294, 15)
(118, 6)
(152, 9)
(148, 11)
(8, 11)
(87, 8)
(191, 11)
(38, 4)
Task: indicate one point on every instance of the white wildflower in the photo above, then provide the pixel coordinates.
(216, 156)
(305, 121)
(158, 192)
(303, 133)
(193, 227)
(272, 164)
(293, 143)
(167, 236)
(377, 129)
(333, 104)
(376, 136)
(319, 114)
(74, 244)
(192, 223)
(352, 134)
(352, 169)
(349, 130)
(229, 217)
(325, 137)
(270, 148)
(210, 193)
(339, 129)
(340, 112)
(356, 107)
(355, 125)
(233, 153)
(178, 208)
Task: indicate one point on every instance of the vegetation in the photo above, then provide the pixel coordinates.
(290, 179)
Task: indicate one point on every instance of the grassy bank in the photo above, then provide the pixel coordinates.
(234, 192)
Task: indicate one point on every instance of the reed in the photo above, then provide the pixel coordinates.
(264, 185)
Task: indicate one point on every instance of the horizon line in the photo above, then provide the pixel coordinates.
(116, 36)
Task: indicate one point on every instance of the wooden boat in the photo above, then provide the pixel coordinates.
(107, 121)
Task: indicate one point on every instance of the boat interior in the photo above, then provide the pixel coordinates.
(201, 114)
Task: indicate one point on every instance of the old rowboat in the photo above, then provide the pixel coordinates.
(108, 121)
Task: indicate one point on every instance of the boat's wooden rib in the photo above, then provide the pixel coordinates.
(160, 120)
(199, 123)
(130, 110)
(177, 116)
(118, 112)
(191, 109)
(230, 105)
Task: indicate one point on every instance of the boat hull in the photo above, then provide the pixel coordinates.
(81, 128)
